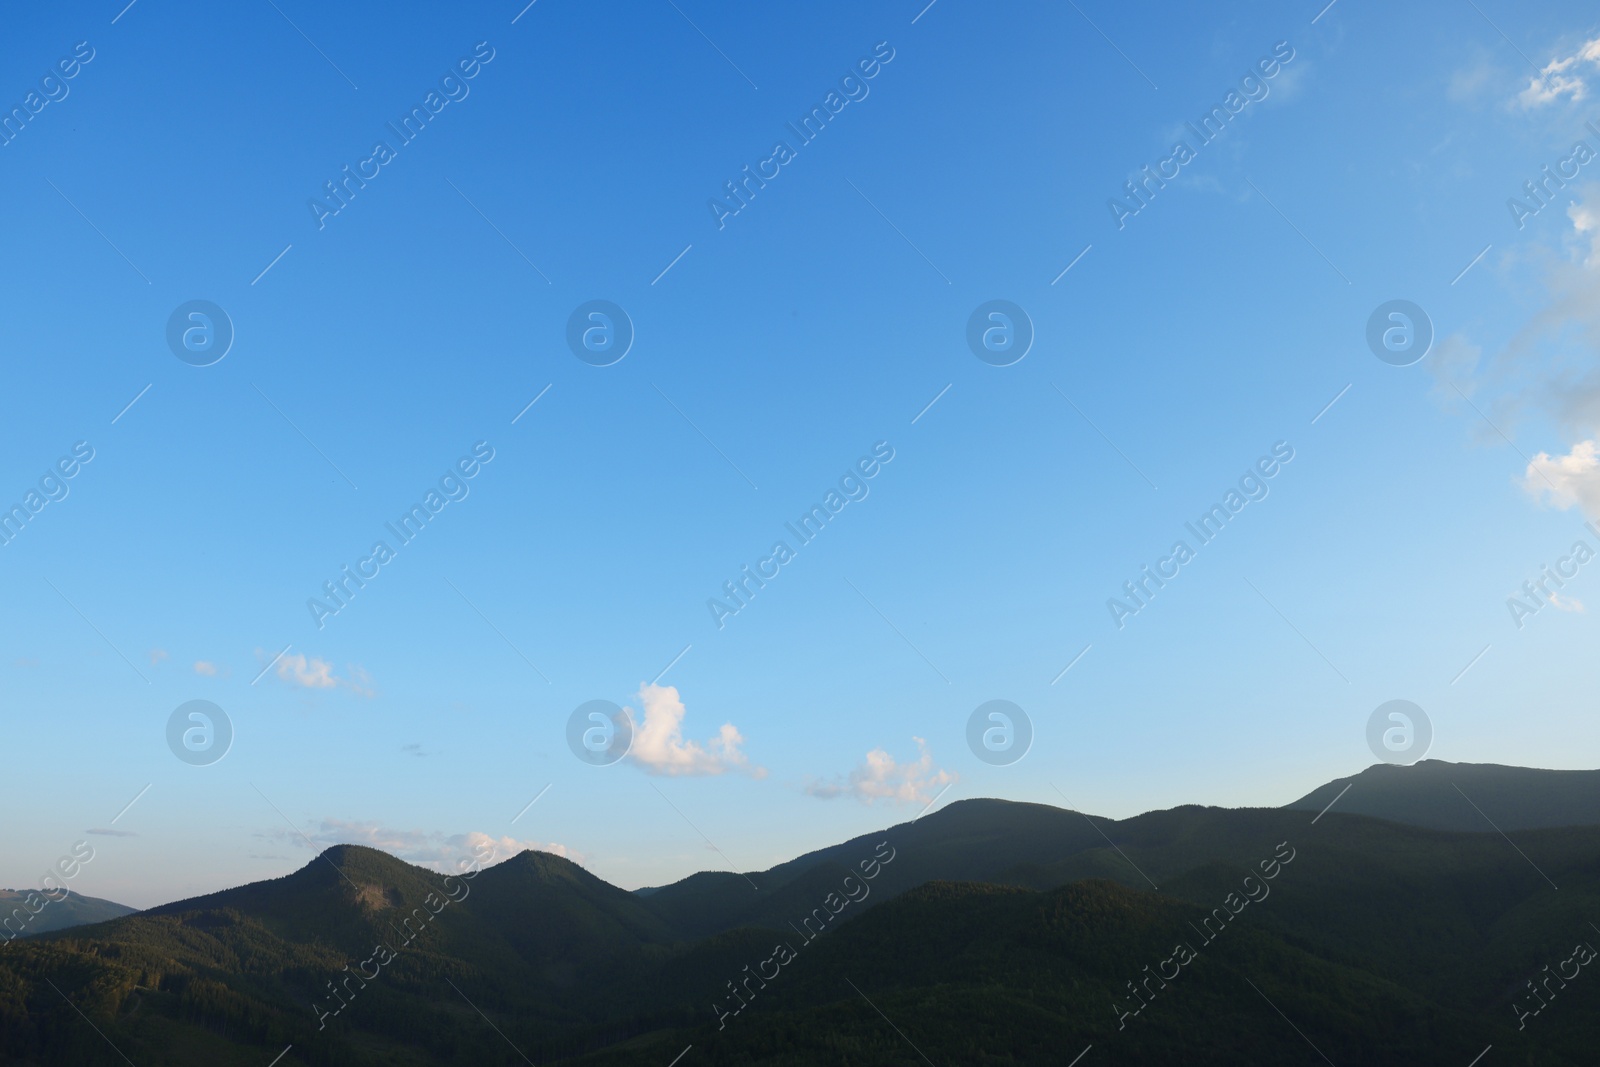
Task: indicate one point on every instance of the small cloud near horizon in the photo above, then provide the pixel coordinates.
(433, 850)
(881, 777)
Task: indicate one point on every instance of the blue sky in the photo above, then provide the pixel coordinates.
(377, 346)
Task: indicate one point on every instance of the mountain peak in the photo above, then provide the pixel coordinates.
(1463, 797)
(538, 860)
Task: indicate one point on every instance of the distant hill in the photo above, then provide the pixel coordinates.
(1441, 796)
(74, 909)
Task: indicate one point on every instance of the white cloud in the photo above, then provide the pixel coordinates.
(1561, 77)
(157, 655)
(1567, 480)
(658, 743)
(880, 777)
(313, 673)
(309, 674)
(1541, 91)
(206, 669)
(1561, 603)
(1586, 222)
(435, 851)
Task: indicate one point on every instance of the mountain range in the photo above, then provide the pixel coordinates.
(1406, 915)
(73, 909)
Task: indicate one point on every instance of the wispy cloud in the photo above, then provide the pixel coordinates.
(313, 673)
(659, 747)
(881, 777)
(157, 655)
(206, 669)
(1562, 77)
(1561, 603)
(307, 673)
(1480, 77)
(1586, 227)
(1548, 366)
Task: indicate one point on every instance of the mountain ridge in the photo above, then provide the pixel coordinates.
(74, 909)
(1464, 797)
(992, 932)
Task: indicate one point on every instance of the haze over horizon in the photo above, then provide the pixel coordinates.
(421, 332)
